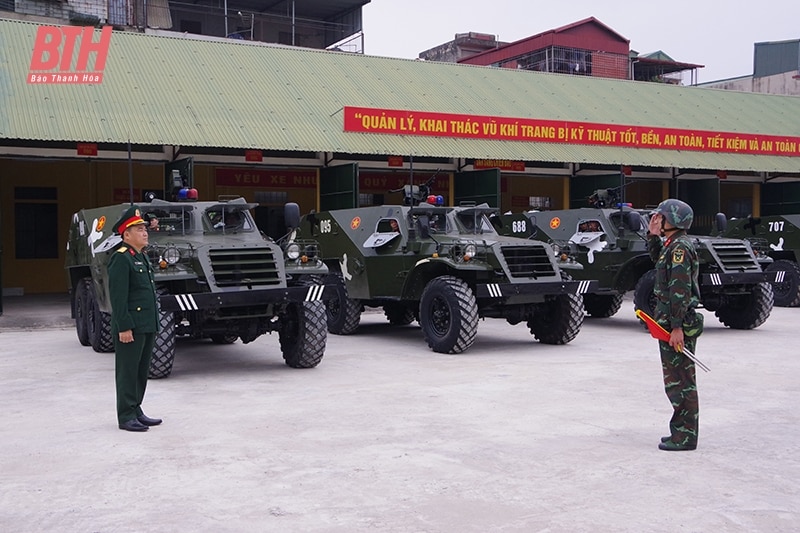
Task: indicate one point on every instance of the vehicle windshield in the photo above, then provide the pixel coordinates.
(589, 226)
(227, 218)
(473, 222)
(169, 219)
(439, 223)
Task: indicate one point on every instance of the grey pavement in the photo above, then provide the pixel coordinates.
(385, 435)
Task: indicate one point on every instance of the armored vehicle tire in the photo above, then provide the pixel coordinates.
(81, 300)
(98, 324)
(343, 314)
(448, 314)
(303, 334)
(747, 311)
(557, 321)
(399, 314)
(223, 339)
(786, 292)
(164, 347)
(602, 305)
(644, 296)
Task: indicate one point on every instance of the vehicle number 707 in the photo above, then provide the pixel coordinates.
(776, 225)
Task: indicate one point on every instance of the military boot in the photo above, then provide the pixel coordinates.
(672, 446)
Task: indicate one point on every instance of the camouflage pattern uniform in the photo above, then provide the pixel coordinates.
(677, 290)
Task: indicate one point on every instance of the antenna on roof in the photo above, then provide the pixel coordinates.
(130, 172)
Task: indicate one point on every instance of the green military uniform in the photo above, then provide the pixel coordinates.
(677, 290)
(133, 307)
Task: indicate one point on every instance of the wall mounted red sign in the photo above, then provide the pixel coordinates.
(395, 161)
(87, 148)
(403, 122)
(516, 166)
(266, 178)
(253, 155)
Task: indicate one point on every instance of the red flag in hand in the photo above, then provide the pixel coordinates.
(658, 332)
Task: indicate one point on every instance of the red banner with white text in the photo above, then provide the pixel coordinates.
(401, 122)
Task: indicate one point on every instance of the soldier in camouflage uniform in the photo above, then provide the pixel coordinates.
(677, 291)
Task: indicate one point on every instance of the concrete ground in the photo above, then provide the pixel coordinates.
(385, 435)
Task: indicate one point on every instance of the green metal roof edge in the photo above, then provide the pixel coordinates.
(171, 90)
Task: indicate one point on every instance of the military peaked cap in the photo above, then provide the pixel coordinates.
(131, 217)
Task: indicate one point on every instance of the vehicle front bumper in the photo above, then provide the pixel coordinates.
(741, 278)
(243, 298)
(532, 292)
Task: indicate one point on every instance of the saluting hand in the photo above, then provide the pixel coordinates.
(654, 226)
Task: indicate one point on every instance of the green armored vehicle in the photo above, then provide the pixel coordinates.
(779, 237)
(611, 244)
(446, 267)
(217, 277)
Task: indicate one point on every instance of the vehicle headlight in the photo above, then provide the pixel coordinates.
(469, 251)
(311, 251)
(171, 255)
(293, 251)
(556, 248)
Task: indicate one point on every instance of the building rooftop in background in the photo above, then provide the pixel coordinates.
(659, 67)
(776, 70)
(321, 24)
(584, 48)
(464, 45)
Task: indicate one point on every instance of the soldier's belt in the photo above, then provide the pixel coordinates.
(742, 278)
(241, 298)
(507, 290)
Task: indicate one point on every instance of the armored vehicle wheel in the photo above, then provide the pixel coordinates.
(98, 324)
(164, 348)
(223, 339)
(303, 334)
(399, 314)
(344, 314)
(557, 321)
(747, 311)
(602, 305)
(81, 300)
(644, 297)
(786, 292)
(448, 314)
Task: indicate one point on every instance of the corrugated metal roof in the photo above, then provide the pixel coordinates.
(176, 91)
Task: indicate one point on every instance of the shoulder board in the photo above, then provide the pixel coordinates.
(122, 249)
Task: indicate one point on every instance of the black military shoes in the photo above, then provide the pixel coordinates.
(140, 423)
(671, 446)
(147, 421)
(133, 425)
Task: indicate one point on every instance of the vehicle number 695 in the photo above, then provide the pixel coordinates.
(325, 226)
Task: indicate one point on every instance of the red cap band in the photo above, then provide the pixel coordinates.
(133, 221)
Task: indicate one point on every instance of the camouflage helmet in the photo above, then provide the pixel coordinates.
(676, 212)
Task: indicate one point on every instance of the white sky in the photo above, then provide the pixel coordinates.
(716, 33)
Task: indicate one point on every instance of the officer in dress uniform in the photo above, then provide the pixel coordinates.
(134, 318)
(677, 292)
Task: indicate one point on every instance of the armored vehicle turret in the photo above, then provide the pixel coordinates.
(611, 244)
(779, 237)
(217, 277)
(446, 267)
